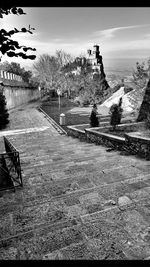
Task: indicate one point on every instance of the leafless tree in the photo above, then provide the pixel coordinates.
(49, 70)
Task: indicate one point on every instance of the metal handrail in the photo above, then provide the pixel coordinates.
(12, 161)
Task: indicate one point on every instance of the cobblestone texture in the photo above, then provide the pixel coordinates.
(69, 207)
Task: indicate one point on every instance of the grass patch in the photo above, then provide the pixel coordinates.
(51, 107)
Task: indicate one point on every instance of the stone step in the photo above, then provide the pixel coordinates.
(76, 196)
(39, 241)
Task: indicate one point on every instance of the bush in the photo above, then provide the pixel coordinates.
(3, 112)
(82, 100)
(116, 112)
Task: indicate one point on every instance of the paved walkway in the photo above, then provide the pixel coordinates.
(78, 201)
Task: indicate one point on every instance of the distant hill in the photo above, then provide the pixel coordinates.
(120, 65)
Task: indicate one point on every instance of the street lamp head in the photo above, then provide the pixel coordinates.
(58, 92)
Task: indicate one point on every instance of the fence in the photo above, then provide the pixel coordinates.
(10, 76)
(10, 169)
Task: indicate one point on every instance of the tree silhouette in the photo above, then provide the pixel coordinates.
(144, 112)
(8, 46)
(3, 111)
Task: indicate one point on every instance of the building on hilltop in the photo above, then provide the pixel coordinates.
(92, 64)
(95, 60)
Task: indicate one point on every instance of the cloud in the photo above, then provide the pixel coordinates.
(147, 35)
(23, 36)
(76, 46)
(109, 33)
(57, 40)
(131, 45)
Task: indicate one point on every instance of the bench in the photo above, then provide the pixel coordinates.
(10, 168)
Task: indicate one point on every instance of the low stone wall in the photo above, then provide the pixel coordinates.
(76, 133)
(91, 135)
(139, 145)
(127, 127)
(104, 139)
(133, 145)
(133, 126)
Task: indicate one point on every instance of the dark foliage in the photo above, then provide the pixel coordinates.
(78, 62)
(8, 46)
(144, 112)
(116, 113)
(93, 118)
(3, 112)
(5, 180)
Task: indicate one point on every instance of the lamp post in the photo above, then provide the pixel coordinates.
(59, 93)
(39, 87)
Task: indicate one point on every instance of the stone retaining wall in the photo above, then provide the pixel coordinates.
(104, 139)
(127, 127)
(17, 96)
(127, 143)
(76, 133)
(138, 146)
(17, 91)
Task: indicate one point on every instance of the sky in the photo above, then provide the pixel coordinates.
(120, 32)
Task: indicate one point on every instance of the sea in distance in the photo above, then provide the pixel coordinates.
(121, 66)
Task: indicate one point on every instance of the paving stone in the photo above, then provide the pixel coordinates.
(138, 185)
(110, 202)
(78, 200)
(136, 251)
(124, 200)
(143, 206)
(138, 194)
(53, 256)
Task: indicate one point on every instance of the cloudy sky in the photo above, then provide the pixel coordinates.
(120, 32)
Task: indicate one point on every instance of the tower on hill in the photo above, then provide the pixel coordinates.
(96, 61)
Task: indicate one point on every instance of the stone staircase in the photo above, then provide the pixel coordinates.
(79, 201)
